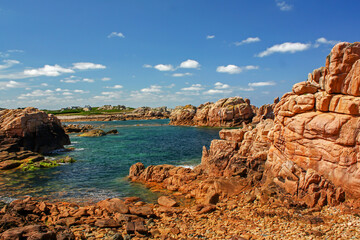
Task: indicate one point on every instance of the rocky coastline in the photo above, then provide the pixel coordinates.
(290, 171)
(141, 113)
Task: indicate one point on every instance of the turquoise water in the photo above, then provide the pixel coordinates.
(103, 163)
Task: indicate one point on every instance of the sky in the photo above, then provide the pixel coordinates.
(55, 54)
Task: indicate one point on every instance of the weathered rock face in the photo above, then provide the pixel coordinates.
(183, 116)
(315, 143)
(227, 112)
(32, 130)
(264, 112)
(238, 151)
(147, 112)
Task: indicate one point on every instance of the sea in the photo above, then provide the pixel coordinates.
(103, 162)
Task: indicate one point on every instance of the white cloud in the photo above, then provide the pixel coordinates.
(4, 55)
(115, 87)
(220, 85)
(210, 36)
(147, 66)
(233, 69)
(36, 93)
(44, 84)
(283, 6)
(181, 74)
(68, 80)
(164, 68)
(249, 89)
(194, 87)
(190, 64)
(261, 84)
(89, 80)
(8, 63)
(152, 89)
(15, 51)
(47, 70)
(248, 40)
(80, 91)
(116, 34)
(285, 48)
(87, 65)
(323, 40)
(11, 84)
(105, 79)
(67, 93)
(216, 91)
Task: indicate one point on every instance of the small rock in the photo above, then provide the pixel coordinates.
(167, 202)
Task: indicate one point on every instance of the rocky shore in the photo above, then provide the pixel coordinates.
(141, 113)
(226, 112)
(289, 172)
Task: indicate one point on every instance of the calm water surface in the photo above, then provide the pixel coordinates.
(103, 163)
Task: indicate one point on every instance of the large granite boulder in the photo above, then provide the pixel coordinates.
(31, 129)
(226, 112)
(315, 143)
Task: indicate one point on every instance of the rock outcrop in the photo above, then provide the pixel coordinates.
(315, 143)
(27, 133)
(32, 130)
(226, 112)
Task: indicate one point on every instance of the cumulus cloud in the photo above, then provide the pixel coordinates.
(69, 80)
(220, 85)
(287, 47)
(210, 36)
(8, 63)
(115, 87)
(116, 34)
(152, 89)
(74, 79)
(323, 40)
(233, 69)
(261, 84)
(47, 70)
(89, 80)
(11, 84)
(87, 65)
(248, 40)
(36, 93)
(189, 64)
(181, 74)
(147, 66)
(105, 79)
(44, 84)
(283, 6)
(164, 68)
(216, 91)
(194, 87)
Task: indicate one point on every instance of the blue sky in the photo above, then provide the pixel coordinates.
(56, 54)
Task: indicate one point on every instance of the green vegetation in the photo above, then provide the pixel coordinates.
(29, 165)
(93, 111)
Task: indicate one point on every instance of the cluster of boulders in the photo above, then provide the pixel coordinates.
(26, 134)
(77, 128)
(148, 112)
(226, 112)
(109, 107)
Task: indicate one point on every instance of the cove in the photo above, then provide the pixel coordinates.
(103, 162)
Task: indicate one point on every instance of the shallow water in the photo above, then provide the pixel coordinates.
(103, 163)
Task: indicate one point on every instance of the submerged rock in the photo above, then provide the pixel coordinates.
(93, 133)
